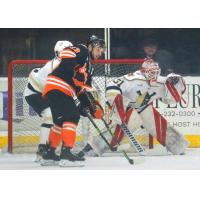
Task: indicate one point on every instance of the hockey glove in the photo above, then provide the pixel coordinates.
(173, 79)
(96, 110)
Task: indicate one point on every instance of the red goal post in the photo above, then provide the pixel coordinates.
(11, 67)
(18, 71)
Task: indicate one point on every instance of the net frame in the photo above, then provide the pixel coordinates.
(14, 63)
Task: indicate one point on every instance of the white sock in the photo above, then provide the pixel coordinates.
(44, 134)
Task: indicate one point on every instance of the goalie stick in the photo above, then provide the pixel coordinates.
(131, 161)
(138, 147)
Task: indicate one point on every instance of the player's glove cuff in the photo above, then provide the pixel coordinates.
(97, 112)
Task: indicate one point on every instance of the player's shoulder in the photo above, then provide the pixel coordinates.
(82, 54)
(82, 48)
(79, 52)
(134, 76)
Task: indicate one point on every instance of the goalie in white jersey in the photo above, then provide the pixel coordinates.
(141, 89)
(131, 97)
(33, 94)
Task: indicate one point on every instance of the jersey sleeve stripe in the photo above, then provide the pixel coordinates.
(67, 56)
(67, 52)
(56, 83)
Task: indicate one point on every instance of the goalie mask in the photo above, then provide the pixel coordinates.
(151, 70)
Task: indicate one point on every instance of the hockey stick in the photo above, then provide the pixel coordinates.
(87, 112)
(125, 154)
(91, 98)
(97, 128)
(123, 126)
(131, 161)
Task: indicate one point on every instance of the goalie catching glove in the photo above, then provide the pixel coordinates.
(88, 103)
(173, 78)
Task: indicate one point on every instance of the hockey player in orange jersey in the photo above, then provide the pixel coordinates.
(65, 88)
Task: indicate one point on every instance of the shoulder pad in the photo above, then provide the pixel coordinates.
(133, 76)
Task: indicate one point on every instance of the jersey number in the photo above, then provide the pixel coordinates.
(118, 82)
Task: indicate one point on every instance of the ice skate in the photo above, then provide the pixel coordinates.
(50, 159)
(68, 159)
(42, 151)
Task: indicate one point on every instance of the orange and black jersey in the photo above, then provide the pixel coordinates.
(73, 73)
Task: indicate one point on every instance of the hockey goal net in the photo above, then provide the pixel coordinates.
(23, 122)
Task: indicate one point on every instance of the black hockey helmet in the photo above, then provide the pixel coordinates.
(96, 42)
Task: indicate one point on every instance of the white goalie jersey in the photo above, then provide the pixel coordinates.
(140, 93)
(134, 94)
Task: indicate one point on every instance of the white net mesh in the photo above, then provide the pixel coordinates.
(26, 123)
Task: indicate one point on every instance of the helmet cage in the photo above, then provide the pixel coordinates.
(151, 71)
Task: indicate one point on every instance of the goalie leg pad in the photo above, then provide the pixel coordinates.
(158, 127)
(97, 144)
(118, 134)
(175, 142)
(129, 117)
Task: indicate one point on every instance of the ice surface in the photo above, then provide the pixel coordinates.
(191, 160)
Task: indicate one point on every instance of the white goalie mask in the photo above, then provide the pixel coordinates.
(60, 45)
(151, 70)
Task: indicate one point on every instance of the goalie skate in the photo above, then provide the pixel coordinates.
(87, 151)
